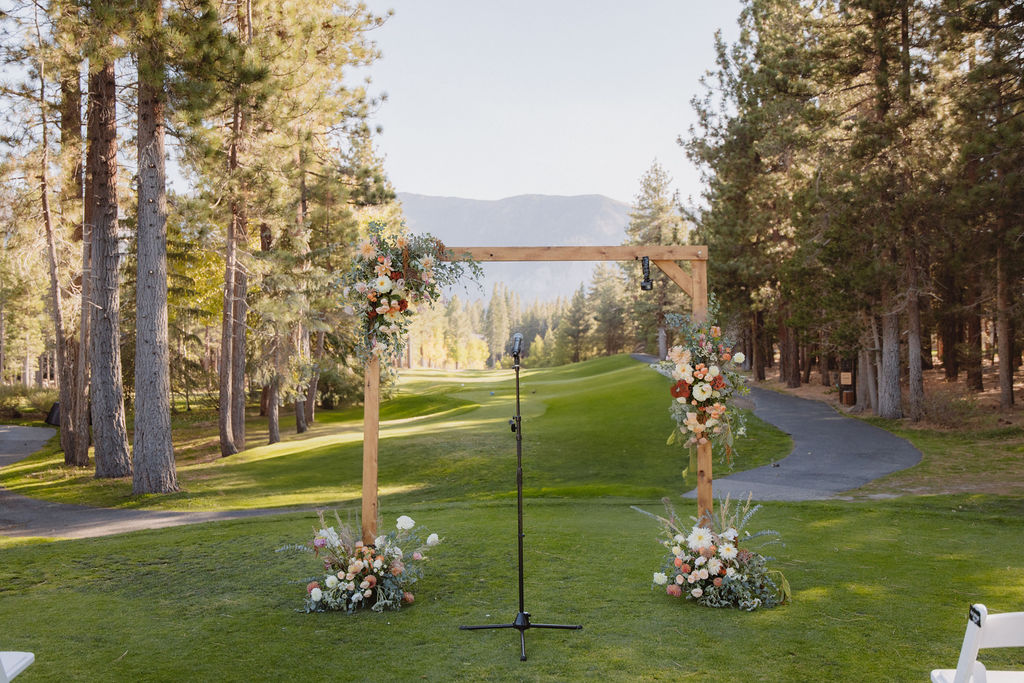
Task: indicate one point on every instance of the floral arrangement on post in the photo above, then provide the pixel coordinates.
(391, 276)
(710, 566)
(704, 368)
(359, 576)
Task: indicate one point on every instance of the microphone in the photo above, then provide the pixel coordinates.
(517, 343)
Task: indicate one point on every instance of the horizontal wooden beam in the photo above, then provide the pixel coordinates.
(620, 253)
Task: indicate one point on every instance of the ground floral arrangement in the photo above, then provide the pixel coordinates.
(715, 565)
(391, 275)
(705, 370)
(358, 576)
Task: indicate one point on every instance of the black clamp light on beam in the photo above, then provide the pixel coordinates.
(646, 285)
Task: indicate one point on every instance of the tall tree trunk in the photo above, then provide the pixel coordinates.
(81, 404)
(64, 369)
(866, 388)
(112, 459)
(318, 356)
(1004, 333)
(972, 353)
(301, 347)
(224, 366)
(240, 218)
(273, 412)
(915, 390)
(808, 363)
(757, 343)
(889, 399)
(153, 469)
(238, 334)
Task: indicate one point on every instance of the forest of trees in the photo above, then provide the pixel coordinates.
(864, 192)
(129, 293)
(863, 205)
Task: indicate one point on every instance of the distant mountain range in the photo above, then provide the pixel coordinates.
(526, 220)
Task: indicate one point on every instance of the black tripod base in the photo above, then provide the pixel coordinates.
(521, 623)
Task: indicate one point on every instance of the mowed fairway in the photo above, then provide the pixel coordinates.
(589, 430)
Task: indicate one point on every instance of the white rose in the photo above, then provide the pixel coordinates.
(677, 551)
(703, 573)
(433, 540)
(702, 391)
(660, 578)
(367, 593)
(364, 585)
(331, 581)
(739, 358)
(697, 592)
(712, 371)
(315, 595)
(405, 523)
(680, 579)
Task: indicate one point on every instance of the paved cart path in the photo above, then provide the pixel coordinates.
(24, 516)
(832, 453)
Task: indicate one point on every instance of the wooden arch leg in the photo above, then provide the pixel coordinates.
(371, 433)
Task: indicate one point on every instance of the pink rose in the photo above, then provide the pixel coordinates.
(417, 556)
(312, 585)
(408, 598)
(674, 590)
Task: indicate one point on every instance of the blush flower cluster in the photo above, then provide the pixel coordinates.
(390, 277)
(710, 567)
(359, 576)
(704, 371)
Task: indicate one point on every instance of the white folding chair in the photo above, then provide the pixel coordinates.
(985, 630)
(13, 663)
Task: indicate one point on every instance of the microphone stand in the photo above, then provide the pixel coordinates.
(522, 621)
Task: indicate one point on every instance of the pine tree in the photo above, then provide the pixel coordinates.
(655, 219)
(153, 468)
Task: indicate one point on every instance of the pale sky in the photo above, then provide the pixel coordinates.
(565, 97)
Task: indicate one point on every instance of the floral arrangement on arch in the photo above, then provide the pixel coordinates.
(711, 565)
(704, 369)
(359, 576)
(391, 276)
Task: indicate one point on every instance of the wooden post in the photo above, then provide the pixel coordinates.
(705, 503)
(371, 432)
(699, 296)
(700, 288)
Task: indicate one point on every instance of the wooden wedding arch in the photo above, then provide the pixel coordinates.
(694, 283)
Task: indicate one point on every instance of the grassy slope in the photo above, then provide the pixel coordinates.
(592, 429)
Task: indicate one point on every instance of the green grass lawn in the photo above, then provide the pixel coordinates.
(880, 592)
(880, 587)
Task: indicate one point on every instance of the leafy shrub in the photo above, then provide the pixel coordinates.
(12, 399)
(42, 400)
